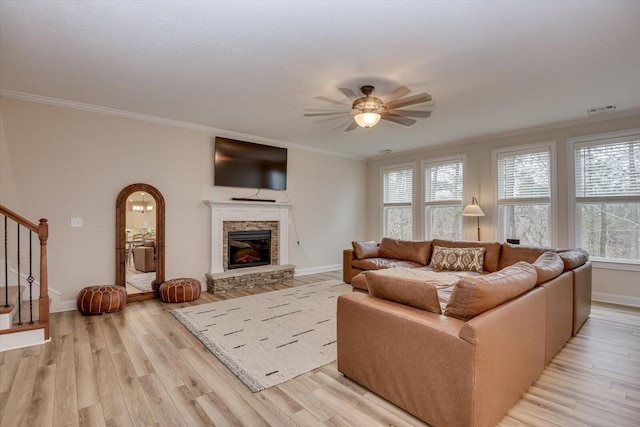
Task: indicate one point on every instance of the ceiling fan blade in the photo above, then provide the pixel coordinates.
(411, 113)
(333, 101)
(349, 93)
(352, 126)
(320, 110)
(325, 114)
(331, 118)
(403, 102)
(342, 123)
(398, 93)
(406, 121)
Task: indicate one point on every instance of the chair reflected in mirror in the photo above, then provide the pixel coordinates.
(144, 255)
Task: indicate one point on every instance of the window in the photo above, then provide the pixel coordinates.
(607, 196)
(525, 182)
(397, 195)
(443, 199)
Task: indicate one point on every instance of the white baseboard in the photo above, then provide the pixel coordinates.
(314, 270)
(22, 339)
(616, 299)
(60, 306)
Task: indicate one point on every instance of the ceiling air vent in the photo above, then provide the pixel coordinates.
(600, 110)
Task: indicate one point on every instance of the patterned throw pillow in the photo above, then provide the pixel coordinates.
(457, 259)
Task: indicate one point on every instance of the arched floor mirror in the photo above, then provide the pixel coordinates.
(140, 220)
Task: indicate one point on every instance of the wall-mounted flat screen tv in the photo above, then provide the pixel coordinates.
(249, 165)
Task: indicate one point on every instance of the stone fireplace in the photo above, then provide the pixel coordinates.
(242, 232)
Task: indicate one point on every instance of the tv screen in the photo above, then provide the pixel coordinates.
(244, 164)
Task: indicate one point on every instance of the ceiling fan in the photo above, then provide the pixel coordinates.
(368, 110)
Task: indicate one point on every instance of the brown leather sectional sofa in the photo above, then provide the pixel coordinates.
(458, 355)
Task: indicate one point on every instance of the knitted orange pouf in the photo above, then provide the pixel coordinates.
(101, 299)
(180, 290)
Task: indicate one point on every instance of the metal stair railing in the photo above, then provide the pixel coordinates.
(42, 231)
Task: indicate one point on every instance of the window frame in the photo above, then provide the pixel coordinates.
(553, 203)
(462, 158)
(383, 205)
(574, 223)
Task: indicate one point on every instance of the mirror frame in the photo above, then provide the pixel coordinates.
(121, 238)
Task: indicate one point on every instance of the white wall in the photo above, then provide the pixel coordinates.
(60, 163)
(608, 285)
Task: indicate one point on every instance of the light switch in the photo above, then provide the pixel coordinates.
(76, 222)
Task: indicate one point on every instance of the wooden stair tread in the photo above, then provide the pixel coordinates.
(13, 294)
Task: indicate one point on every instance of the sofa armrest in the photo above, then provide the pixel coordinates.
(348, 272)
(510, 353)
(581, 295)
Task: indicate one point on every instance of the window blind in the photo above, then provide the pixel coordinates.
(398, 185)
(443, 182)
(524, 175)
(607, 170)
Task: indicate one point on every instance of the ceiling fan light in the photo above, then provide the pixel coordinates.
(367, 119)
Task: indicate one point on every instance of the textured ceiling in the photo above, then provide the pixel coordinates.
(256, 67)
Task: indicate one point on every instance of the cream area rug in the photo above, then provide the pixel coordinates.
(269, 338)
(141, 281)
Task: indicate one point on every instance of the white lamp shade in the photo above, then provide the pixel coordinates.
(367, 120)
(472, 210)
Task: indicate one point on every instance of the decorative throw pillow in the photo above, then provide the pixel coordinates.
(457, 259)
(491, 251)
(366, 249)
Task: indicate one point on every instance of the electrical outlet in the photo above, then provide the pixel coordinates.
(76, 222)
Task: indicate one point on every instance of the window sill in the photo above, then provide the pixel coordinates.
(615, 265)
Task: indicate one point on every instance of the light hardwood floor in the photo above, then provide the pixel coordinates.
(141, 367)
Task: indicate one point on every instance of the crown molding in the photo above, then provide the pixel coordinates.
(514, 133)
(22, 96)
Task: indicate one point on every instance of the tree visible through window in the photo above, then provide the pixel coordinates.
(607, 191)
(443, 199)
(524, 195)
(397, 198)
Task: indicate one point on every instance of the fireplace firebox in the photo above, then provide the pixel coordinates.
(249, 248)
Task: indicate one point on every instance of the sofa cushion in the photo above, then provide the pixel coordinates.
(380, 263)
(491, 254)
(474, 295)
(417, 251)
(365, 250)
(437, 278)
(457, 259)
(409, 287)
(513, 253)
(548, 266)
(358, 282)
(574, 258)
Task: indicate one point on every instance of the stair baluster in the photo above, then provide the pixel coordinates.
(30, 278)
(19, 284)
(6, 267)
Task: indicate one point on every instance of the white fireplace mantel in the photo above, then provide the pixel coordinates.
(247, 211)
